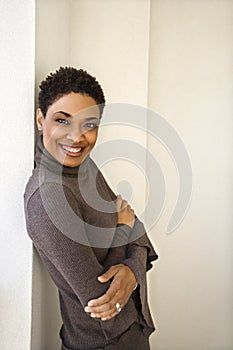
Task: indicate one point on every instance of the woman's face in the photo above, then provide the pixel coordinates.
(70, 128)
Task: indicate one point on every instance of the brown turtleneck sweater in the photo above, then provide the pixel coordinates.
(72, 220)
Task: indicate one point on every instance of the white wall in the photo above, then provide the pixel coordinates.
(177, 55)
(16, 133)
(52, 51)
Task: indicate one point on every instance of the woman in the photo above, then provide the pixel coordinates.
(94, 247)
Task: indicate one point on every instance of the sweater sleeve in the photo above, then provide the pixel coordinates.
(133, 248)
(118, 250)
(137, 255)
(140, 252)
(52, 228)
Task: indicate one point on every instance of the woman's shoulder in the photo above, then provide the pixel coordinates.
(32, 185)
(47, 188)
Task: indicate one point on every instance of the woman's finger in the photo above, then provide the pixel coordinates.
(124, 204)
(108, 309)
(104, 314)
(106, 318)
(101, 311)
(118, 202)
(110, 273)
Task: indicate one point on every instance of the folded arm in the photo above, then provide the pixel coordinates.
(136, 260)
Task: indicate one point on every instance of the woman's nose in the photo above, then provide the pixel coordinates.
(75, 134)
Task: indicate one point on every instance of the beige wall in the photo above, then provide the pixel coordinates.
(111, 39)
(175, 57)
(190, 84)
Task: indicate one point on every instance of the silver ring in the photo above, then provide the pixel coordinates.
(118, 307)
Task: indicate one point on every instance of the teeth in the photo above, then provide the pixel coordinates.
(71, 149)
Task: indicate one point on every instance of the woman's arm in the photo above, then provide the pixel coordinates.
(132, 269)
(124, 277)
(75, 262)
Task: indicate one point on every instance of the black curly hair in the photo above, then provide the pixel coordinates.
(66, 80)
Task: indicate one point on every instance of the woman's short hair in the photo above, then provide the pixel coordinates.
(66, 80)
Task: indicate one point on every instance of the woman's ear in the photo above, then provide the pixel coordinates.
(39, 119)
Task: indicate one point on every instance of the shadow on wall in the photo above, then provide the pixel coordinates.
(46, 320)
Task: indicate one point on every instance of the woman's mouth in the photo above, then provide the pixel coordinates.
(72, 151)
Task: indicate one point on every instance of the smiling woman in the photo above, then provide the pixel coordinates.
(70, 128)
(95, 248)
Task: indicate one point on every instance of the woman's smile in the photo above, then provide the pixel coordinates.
(72, 151)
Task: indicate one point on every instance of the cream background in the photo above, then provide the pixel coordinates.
(191, 80)
(175, 57)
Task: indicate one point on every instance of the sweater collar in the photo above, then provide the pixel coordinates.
(45, 159)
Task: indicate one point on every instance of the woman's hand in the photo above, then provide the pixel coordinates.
(125, 212)
(124, 280)
(120, 290)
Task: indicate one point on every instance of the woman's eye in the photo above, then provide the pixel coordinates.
(63, 121)
(90, 125)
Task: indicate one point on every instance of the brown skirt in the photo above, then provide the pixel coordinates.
(132, 339)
